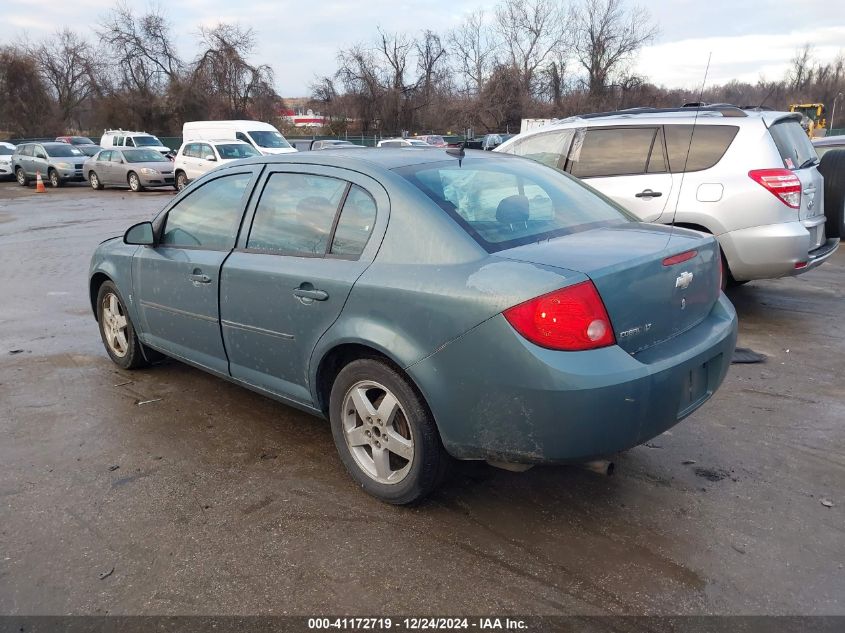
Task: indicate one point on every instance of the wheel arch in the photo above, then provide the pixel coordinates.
(97, 280)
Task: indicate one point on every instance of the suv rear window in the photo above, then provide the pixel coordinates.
(507, 203)
(709, 144)
(794, 147)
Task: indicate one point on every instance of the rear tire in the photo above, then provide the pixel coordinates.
(832, 167)
(21, 177)
(181, 180)
(385, 434)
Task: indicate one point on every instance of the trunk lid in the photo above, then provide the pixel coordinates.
(648, 302)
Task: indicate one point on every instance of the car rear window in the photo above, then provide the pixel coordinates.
(792, 142)
(709, 144)
(507, 203)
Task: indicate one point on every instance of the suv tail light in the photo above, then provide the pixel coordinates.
(570, 319)
(780, 182)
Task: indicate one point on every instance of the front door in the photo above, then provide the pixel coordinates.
(288, 280)
(177, 282)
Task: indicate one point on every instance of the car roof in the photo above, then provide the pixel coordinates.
(733, 116)
(839, 139)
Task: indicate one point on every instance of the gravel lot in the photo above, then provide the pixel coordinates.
(203, 497)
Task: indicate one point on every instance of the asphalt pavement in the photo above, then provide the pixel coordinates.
(168, 491)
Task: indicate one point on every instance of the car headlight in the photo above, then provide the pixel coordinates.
(149, 172)
(64, 165)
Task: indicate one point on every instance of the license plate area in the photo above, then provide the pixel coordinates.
(695, 386)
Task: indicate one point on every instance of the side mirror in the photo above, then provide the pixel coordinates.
(210, 157)
(140, 234)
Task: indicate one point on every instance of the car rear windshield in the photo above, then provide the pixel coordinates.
(507, 203)
(143, 156)
(62, 150)
(269, 139)
(146, 141)
(794, 147)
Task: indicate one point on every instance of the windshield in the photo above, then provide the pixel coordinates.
(507, 203)
(5, 151)
(270, 139)
(62, 150)
(81, 140)
(146, 141)
(792, 143)
(236, 150)
(416, 142)
(143, 156)
(435, 140)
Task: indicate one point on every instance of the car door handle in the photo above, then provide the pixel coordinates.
(648, 193)
(197, 277)
(308, 291)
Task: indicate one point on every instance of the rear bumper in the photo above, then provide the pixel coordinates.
(774, 250)
(496, 396)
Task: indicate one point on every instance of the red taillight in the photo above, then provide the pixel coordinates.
(679, 258)
(569, 319)
(780, 182)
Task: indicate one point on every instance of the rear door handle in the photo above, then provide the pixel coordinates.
(307, 293)
(648, 193)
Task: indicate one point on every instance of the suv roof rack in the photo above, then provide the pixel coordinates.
(725, 109)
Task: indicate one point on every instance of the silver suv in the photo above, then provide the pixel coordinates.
(747, 177)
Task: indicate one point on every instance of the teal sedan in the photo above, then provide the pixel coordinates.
(431, 304)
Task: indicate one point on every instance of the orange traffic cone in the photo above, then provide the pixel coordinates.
(39, 184)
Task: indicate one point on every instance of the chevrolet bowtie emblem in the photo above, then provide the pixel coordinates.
(684, 280)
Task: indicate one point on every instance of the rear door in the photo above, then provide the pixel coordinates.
(314, 230)
(103, 167)
(628, 164)
(177, 282)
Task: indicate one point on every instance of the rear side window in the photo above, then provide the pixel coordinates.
(792, 142)
(613, 152)
(709, 144)
(209, 216)
(295, 214)
(549, 148)
(509, 202)
(355, 224)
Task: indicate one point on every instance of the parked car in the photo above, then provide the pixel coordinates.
(134, 168)
(505, 311)
(6, 151)
(306, 145)
(262, 136)
(121, 138)
(57, 162)
(402, 142)
(831, 151)
(82, 143)
(195, 158)
(747, 177)
(826, 143)
(492, 141)
(435, 140)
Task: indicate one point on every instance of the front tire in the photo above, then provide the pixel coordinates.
(385, 434)
(55, 181)
(94, 179)
(134, 182)
(117, 330)
(21, 177)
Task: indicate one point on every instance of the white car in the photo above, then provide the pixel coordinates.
(195, 158)
(402, 142)
(123, 138)
(747, 177)
(6, 151)
(265, 138)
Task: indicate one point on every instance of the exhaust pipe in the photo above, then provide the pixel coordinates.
(601, 466)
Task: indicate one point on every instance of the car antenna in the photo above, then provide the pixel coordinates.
(457, 152)
(689, 147)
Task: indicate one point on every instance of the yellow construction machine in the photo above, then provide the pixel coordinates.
(814, 117)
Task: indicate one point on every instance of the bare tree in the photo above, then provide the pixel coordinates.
(474, 50)
(801, 68)
(607, 38)
(26, 108)
(222, 68)
(531, 30)
(68, 65)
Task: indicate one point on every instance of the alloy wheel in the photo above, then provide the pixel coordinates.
(377, 432)
(115, 325)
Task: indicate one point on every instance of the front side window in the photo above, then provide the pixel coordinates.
(295, 214)
(509, 202)
(208, 217)
(104, 157)
(205, 151)
(39, 152)
(549, 148)
(355, 223)
(613, 152)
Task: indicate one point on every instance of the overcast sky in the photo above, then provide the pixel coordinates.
(300, 39)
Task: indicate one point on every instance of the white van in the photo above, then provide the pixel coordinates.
(262, 136)
(124, 138)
